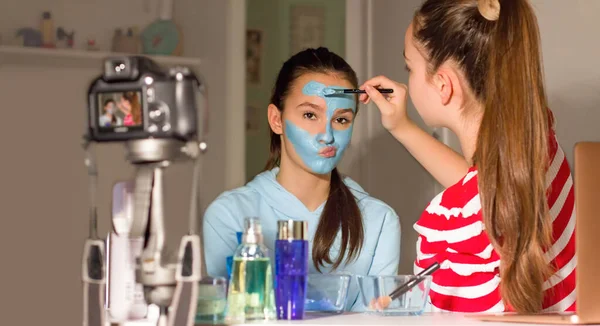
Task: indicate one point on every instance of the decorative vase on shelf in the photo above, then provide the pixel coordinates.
(64, 40)
(126, 43)
(163, 36)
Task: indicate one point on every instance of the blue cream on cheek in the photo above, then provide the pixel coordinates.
(308, 146)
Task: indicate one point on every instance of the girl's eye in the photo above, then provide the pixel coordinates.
(310, 116)
(342, 121)
(406, 68)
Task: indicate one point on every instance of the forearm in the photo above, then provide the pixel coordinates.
(122, 109)
(444, 164)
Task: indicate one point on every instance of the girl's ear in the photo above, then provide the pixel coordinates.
(444, 85)
(274, 118)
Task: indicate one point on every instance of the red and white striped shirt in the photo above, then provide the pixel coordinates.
(451, 232)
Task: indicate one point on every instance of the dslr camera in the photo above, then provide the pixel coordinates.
(135, 98)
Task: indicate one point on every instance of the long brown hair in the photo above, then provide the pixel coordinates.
(136, 108)
(341, 212)
(496, 44)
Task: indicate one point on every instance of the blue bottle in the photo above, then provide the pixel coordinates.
(229, 259)
(291, 269)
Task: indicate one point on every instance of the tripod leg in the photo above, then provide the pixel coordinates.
(183, 307)
(93, 283)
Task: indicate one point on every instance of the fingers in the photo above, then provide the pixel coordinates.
(377, 97)
(380, 82)
(383, 82)
(398, 98)
(377, 82)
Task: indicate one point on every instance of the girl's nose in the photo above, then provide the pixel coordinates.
(327, 136)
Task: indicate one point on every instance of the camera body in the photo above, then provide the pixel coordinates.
(135, 98)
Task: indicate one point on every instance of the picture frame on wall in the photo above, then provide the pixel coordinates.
(254, 53)
(307, 27)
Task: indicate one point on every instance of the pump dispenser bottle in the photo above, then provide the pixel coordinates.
(251, 295)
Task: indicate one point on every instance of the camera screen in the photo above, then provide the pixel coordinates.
(120, 109)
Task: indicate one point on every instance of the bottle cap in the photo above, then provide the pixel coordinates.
(292, 230)
(252, 231)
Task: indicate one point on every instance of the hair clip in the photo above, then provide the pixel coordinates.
(489, 9)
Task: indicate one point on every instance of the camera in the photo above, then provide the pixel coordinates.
(136, 98)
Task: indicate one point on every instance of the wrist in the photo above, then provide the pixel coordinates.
(404, 130)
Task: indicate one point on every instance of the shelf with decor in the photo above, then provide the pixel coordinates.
(51, 44)
(18, 55)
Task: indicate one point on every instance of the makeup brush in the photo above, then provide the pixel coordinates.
(360, 91)
(384, 301)
(335, 91)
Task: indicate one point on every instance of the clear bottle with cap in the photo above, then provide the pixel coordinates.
(250, 294)
(291, 269)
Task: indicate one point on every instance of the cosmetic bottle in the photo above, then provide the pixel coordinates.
(291, 269)
(250, 294)
(47, 30)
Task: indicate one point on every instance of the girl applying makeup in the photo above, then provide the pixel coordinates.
(503, 230)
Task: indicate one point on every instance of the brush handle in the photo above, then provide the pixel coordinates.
(360, 91)
(414, 281)
(406, 287)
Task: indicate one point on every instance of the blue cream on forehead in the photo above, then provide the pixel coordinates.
(307, 146)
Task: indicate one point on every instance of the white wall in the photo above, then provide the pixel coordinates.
(571, 48)
(44, 184)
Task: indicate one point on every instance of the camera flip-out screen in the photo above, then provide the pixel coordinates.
(120, 111)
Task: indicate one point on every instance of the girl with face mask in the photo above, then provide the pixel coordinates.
(349, 231)
(503, 230)
(108, 118)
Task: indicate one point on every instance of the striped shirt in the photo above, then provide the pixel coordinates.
(451, 232)
(128, 120)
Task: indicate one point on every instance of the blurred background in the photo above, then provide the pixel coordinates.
(51, 49)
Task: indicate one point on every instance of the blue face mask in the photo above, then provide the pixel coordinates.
(308, 146)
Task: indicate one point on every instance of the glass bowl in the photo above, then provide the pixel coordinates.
(376, 289)
(326, 293)
(212, 300)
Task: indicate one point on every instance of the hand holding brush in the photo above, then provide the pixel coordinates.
(383, 302)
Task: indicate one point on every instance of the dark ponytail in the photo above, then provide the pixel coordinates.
(341, 212)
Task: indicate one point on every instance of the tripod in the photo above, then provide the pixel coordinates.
(171, 284)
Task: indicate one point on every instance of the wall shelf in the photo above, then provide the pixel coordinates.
(73, 58)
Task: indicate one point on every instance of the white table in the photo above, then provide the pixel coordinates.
(367, 320)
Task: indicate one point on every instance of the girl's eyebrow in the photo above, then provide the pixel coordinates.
(342, 111)
(312, 105)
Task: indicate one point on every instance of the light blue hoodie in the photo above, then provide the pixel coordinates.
(266, 199)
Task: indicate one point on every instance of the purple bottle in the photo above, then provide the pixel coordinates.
(291, 269)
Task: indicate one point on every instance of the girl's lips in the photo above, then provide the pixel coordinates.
(328, 152)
